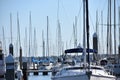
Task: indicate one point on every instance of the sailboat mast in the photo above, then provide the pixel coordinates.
(75, 32)
(43, 43)
(84, 36)
(102, 30)
(29, 36)
(115, 27)
(20, 56)
(97, 37)
(97, 22)
(35, 45)
(108, 29)
(4, 42)
(119, 35)
(47, 37)
(11, 45)
(58, 11)
(26, 43)
(119, 24)
(11, 26)
(59, 37)
(18, 25)
(87, 29)
(110, 32)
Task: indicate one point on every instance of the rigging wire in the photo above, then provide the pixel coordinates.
(91, 21)
(64, 9)
(104, 5)
(58, 10)
(79, 9)
(18, 25)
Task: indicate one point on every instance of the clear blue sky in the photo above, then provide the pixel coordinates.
(40, 9)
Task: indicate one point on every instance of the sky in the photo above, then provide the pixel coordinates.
(40, 9)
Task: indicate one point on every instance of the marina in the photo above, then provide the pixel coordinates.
(94, 55)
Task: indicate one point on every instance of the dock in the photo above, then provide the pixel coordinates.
(33, 70)
(36, 71)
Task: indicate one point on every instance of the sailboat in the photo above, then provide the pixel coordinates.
(86, 71)
(116, 66)
(113, 62)
(78, 72)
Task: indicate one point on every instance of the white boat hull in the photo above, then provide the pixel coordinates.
(72, 77)
(99, 77)
(83, 77)
(77, 73)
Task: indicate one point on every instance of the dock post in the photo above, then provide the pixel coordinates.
(36, 73)
(24, 70)
(45, 73)
(10, 68)
(54, 72)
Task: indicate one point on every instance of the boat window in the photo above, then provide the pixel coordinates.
(96, 68)
(74, 68)
(1, 58)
